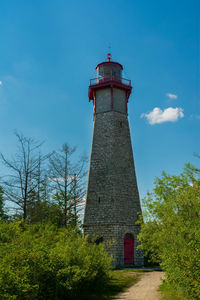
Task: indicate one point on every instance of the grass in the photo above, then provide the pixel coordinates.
(168, 293)
(118, 282)
(141, 270)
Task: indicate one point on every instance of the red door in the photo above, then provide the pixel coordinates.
(128, 249)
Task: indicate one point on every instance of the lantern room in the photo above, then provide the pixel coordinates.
(109, 69)
(110, 87)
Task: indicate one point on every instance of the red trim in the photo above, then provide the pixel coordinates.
(110, 63)
(130, 234)
(100, 80)
(108, 84)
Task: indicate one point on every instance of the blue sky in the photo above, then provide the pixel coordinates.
(49, 51)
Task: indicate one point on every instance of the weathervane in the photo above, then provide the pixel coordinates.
(109, 56)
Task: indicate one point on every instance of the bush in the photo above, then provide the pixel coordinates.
(171, 231)
(44, 262)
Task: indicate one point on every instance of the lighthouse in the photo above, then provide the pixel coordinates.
(112, 200)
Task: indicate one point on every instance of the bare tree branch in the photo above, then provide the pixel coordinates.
(24, 173)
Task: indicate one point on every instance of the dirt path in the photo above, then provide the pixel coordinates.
(145, 289)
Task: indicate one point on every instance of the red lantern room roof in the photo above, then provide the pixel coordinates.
(109, 63)
(109, 58)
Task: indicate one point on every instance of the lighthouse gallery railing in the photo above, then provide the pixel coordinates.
(98, 80)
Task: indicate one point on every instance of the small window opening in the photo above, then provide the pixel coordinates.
(129, 236)
(120, 123)
(99, 240)
(99, 199)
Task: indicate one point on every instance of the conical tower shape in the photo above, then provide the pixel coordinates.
(112, 202)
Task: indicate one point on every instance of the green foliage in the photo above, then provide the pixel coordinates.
(171, 232)
(168, 293)
(118, 281)
(44, 262)
(44, 212)
(73, 220)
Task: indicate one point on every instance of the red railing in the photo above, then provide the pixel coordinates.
(98, 80)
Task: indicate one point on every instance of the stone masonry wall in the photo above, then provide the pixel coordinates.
(113, 237)
(119, 100)
(103, 100)
(112, 194)
(112, 201)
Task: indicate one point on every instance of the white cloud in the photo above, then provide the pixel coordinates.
(171, 96)
(1, 82)
(56, 179)
(61, 179)
(157, 115)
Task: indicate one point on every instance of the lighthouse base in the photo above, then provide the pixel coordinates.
(120, 241)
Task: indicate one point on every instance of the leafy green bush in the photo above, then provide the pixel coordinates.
(171, 231)
(44, 262)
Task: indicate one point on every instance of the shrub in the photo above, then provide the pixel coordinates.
(171, 231)
(44, 262)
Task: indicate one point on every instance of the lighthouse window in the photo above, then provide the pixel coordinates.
(99, 199)
(120, 124)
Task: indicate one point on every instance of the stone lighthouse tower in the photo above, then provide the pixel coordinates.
(112, 202)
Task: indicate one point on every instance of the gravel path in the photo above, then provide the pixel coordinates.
(145, 289)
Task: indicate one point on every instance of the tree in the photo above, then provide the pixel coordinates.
(45, 212)
(22, 184)
(3, 215)
(1, 203)
(39, 204)
(77, 193)
(68, 181)
(171, 230)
